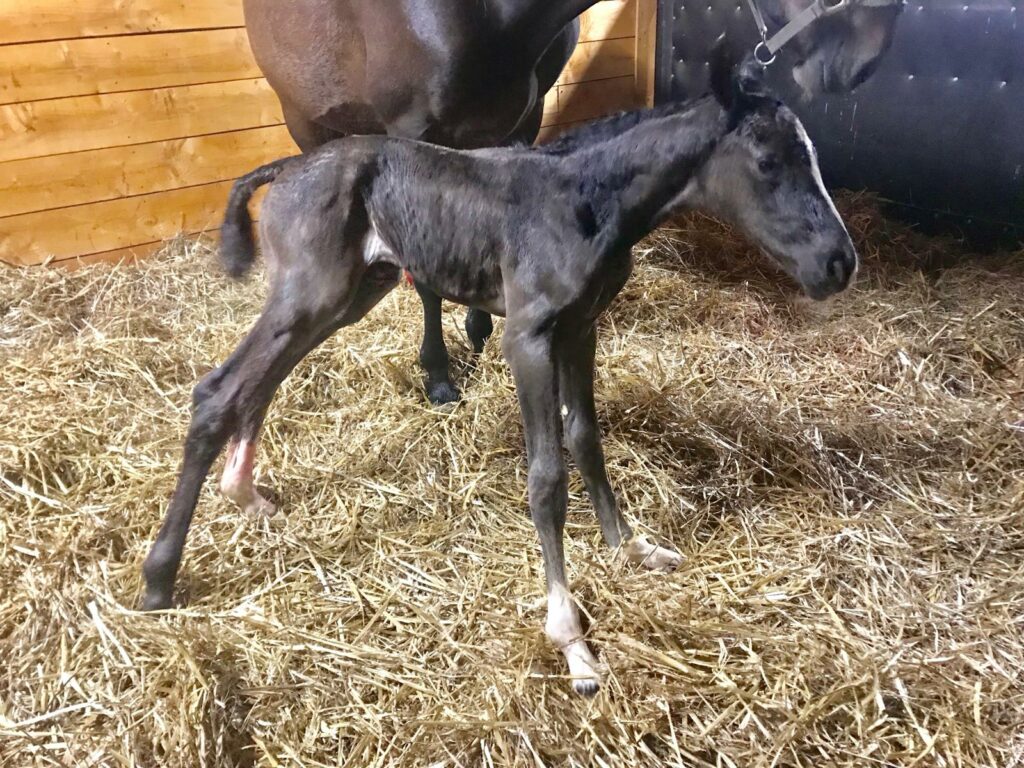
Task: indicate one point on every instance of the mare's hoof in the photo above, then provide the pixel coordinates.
(155, 601)
(586, 687)
(442, 393)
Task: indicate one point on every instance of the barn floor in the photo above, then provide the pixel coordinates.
(847, 485)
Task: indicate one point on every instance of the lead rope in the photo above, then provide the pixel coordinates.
(761, 48)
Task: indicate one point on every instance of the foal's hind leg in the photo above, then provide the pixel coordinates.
(237, 482)
(249, 377)
(229, 396)
(583, 434)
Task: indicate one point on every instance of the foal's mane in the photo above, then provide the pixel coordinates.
(602, 129)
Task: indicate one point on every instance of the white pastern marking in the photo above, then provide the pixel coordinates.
(639, 550)
(237, 483)
(563, 628)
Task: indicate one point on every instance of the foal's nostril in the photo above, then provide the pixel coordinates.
(840, 266)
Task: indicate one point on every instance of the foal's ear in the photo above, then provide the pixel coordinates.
(723, 67)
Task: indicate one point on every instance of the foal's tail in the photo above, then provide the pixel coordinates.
(237, 244)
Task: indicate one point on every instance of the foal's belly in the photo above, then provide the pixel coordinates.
(471, 280)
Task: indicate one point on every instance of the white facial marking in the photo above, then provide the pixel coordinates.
(639, 550)
(816, 170)
(237, 483)
(563, 628)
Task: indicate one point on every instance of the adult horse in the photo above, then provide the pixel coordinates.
(469, 74)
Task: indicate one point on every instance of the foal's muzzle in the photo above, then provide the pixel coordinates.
(839, 270)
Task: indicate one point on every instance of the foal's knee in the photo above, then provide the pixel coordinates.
(548, 486)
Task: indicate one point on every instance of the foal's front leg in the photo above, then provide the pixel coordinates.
(531, 357)
(583, 434)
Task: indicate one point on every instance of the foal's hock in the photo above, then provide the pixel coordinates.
(541, 236)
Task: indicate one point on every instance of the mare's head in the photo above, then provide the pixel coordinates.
(763, 177)
(838, 52)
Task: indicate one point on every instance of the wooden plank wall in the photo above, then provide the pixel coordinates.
(123, 124)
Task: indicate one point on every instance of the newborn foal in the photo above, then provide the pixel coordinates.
(541, 236)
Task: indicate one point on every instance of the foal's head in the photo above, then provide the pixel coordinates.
(763, 176)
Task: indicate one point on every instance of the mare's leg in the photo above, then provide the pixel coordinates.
(583, 434)
(479, 328)
(433, 353)
(531, 356)
(235, 396)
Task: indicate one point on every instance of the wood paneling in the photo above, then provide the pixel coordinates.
(109, 64)
(84, 229)
(57, 181)
(23, 21)
(40, 128)
(610, 19)
(600, 60)
(646, 36)
(585, 101)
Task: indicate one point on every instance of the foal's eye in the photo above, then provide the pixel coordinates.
(768, 165)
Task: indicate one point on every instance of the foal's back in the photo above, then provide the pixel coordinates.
(453, 219)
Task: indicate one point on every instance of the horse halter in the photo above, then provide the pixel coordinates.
(766, 50)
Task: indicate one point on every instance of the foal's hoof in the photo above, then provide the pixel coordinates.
(441, 393)
(640, 551)
(259, 507)
(587, 687)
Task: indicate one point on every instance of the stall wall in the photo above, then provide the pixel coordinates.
(938, 130)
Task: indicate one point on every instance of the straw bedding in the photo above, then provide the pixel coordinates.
(846, 483)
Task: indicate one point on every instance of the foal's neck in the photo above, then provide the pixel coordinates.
(631, 180)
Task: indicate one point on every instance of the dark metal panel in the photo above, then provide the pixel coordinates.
(938, 129)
